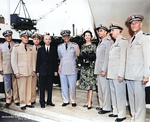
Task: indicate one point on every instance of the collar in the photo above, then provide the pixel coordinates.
(138, 34)
(67, 43)
(104, 38)
(47, 47)
(118, 38)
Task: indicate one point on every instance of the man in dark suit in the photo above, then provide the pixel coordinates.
(46, 68)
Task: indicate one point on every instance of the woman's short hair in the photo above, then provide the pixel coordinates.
(87, 31)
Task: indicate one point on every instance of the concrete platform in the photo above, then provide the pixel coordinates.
(65, 114)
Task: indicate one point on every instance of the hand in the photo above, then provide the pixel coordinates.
(145, 80)
(103, 74)
(1, 72)
(56, 74)
(17, 75)
(120, 79)
(33, 74)
(59, 69)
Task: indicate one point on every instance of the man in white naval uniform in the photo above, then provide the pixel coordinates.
(68, 52)
(116, 70)
(101, 65)
(137, 68)
(6, 69)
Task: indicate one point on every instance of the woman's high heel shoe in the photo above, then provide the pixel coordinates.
(90, 107)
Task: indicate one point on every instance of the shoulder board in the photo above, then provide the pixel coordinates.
(29, 45)
(146, 34)
(16, 45)
(60, 44)
(123, 38)
(74, 43)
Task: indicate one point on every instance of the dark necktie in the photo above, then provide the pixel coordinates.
(36, 48)
(133, 39)
(25, 47)
(9, 46)
(66, 46)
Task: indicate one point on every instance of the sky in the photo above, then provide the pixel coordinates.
(70, 12)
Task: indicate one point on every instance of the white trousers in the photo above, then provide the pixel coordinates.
(104, 93)
(68, 87)
(136, 92)
(118, 97)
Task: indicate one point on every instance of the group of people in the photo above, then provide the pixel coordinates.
(113, 64)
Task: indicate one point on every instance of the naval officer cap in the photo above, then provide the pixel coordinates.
(24, 33)
(102, 27)
(7, 32)
(135, 17)
(36, 35)
(65, 33)
(115, 26)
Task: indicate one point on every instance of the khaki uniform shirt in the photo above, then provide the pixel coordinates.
(23, 62)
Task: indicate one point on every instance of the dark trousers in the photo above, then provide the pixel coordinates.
(45, 81)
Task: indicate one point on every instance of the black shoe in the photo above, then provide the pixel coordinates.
(89, 108)
(103, 112)
(74, 104)
(65, 104)
(17, 104)
(120, 119)
(30, 106)
(33, 102)
(51, 104)
(85, 105)
(23, 108)
(98, 108)
(7, 105)
(42, 106)
(112, 115)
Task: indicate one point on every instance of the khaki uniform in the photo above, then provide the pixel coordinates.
(23, 63)
(34, 79)
(101, 64)
(5, 66)
(137, 67)
(68, 71)
(116, 68)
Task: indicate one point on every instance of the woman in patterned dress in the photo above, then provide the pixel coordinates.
(85, 64)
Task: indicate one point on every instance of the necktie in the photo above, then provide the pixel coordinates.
(47, 50)
(133, 39)
(36, 48)
(9, 46)
(25, 47)
(66, 46)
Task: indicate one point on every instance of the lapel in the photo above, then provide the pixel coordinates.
(34, 47)
(69, 45)
(6, 46)
(116, 42)
(11, 44)
(103, 40)
(137, 36)
(23, 47)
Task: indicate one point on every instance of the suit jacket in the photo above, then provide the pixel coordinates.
(46, 64)
(68, 57)
(22, 61)
(138, 57)
(35, 53)
(102, 55)
(5, 57)
(117, 58)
